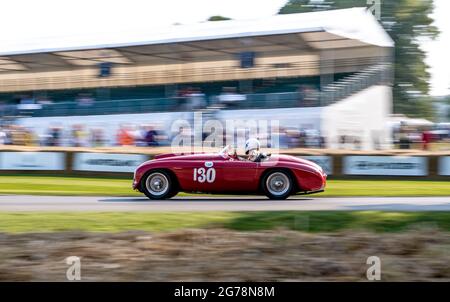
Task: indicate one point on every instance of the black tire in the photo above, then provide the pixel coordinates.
(280, 190)
(173, 193)
(163, 186)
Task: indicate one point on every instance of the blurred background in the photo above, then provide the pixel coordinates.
(91, 89)
(350, 74)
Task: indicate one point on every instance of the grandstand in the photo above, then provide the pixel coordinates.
(285, 61)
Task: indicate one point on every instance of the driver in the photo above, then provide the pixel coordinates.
(252, 150)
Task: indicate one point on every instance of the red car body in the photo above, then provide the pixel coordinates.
(219, 173)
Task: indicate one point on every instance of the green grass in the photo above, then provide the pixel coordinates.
(330, 221)
(386, 188)
(106, 222)
(240, 221)
(60, 185)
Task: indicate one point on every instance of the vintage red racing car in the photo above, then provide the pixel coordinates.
(276, 176)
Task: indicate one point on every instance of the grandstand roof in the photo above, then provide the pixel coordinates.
(352, 27)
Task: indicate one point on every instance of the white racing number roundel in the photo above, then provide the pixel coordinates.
(202, 174)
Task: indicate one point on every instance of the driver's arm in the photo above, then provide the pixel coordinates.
(260, 157)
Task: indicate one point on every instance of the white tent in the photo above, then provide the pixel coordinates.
(399, 119)
(354, 24)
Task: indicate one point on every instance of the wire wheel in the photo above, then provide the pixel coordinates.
(157, 184)
(277, 185)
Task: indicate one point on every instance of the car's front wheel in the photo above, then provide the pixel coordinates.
(158, 185)
(277, 184)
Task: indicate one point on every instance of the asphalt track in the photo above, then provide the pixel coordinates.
(24, 203)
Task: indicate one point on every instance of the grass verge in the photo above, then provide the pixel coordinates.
(59, 185)
(241, 221)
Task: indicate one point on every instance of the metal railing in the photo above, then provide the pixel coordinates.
(373, 75)
(332, 93)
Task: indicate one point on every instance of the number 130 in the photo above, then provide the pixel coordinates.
(202, 174)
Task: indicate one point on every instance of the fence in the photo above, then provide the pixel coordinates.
(355, 165)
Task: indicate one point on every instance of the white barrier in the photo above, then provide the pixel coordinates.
(44, 161)
(107, 162)
(126, 163)
(326, 162)
(444, 166)
(385, 165)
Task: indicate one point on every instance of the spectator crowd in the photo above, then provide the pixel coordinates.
(150, 135)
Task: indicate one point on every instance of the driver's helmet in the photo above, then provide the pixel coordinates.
(251, 144)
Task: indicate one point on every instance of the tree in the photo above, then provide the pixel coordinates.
(406, 21)
(218, 18)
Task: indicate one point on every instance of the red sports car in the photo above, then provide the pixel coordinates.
(276, 176)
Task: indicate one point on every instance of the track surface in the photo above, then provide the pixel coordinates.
(235, 203)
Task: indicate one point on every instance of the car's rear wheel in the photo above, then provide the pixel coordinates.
(277, 184)
(158, 185)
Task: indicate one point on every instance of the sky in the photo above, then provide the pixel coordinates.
(438, 50)
(31, 19)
